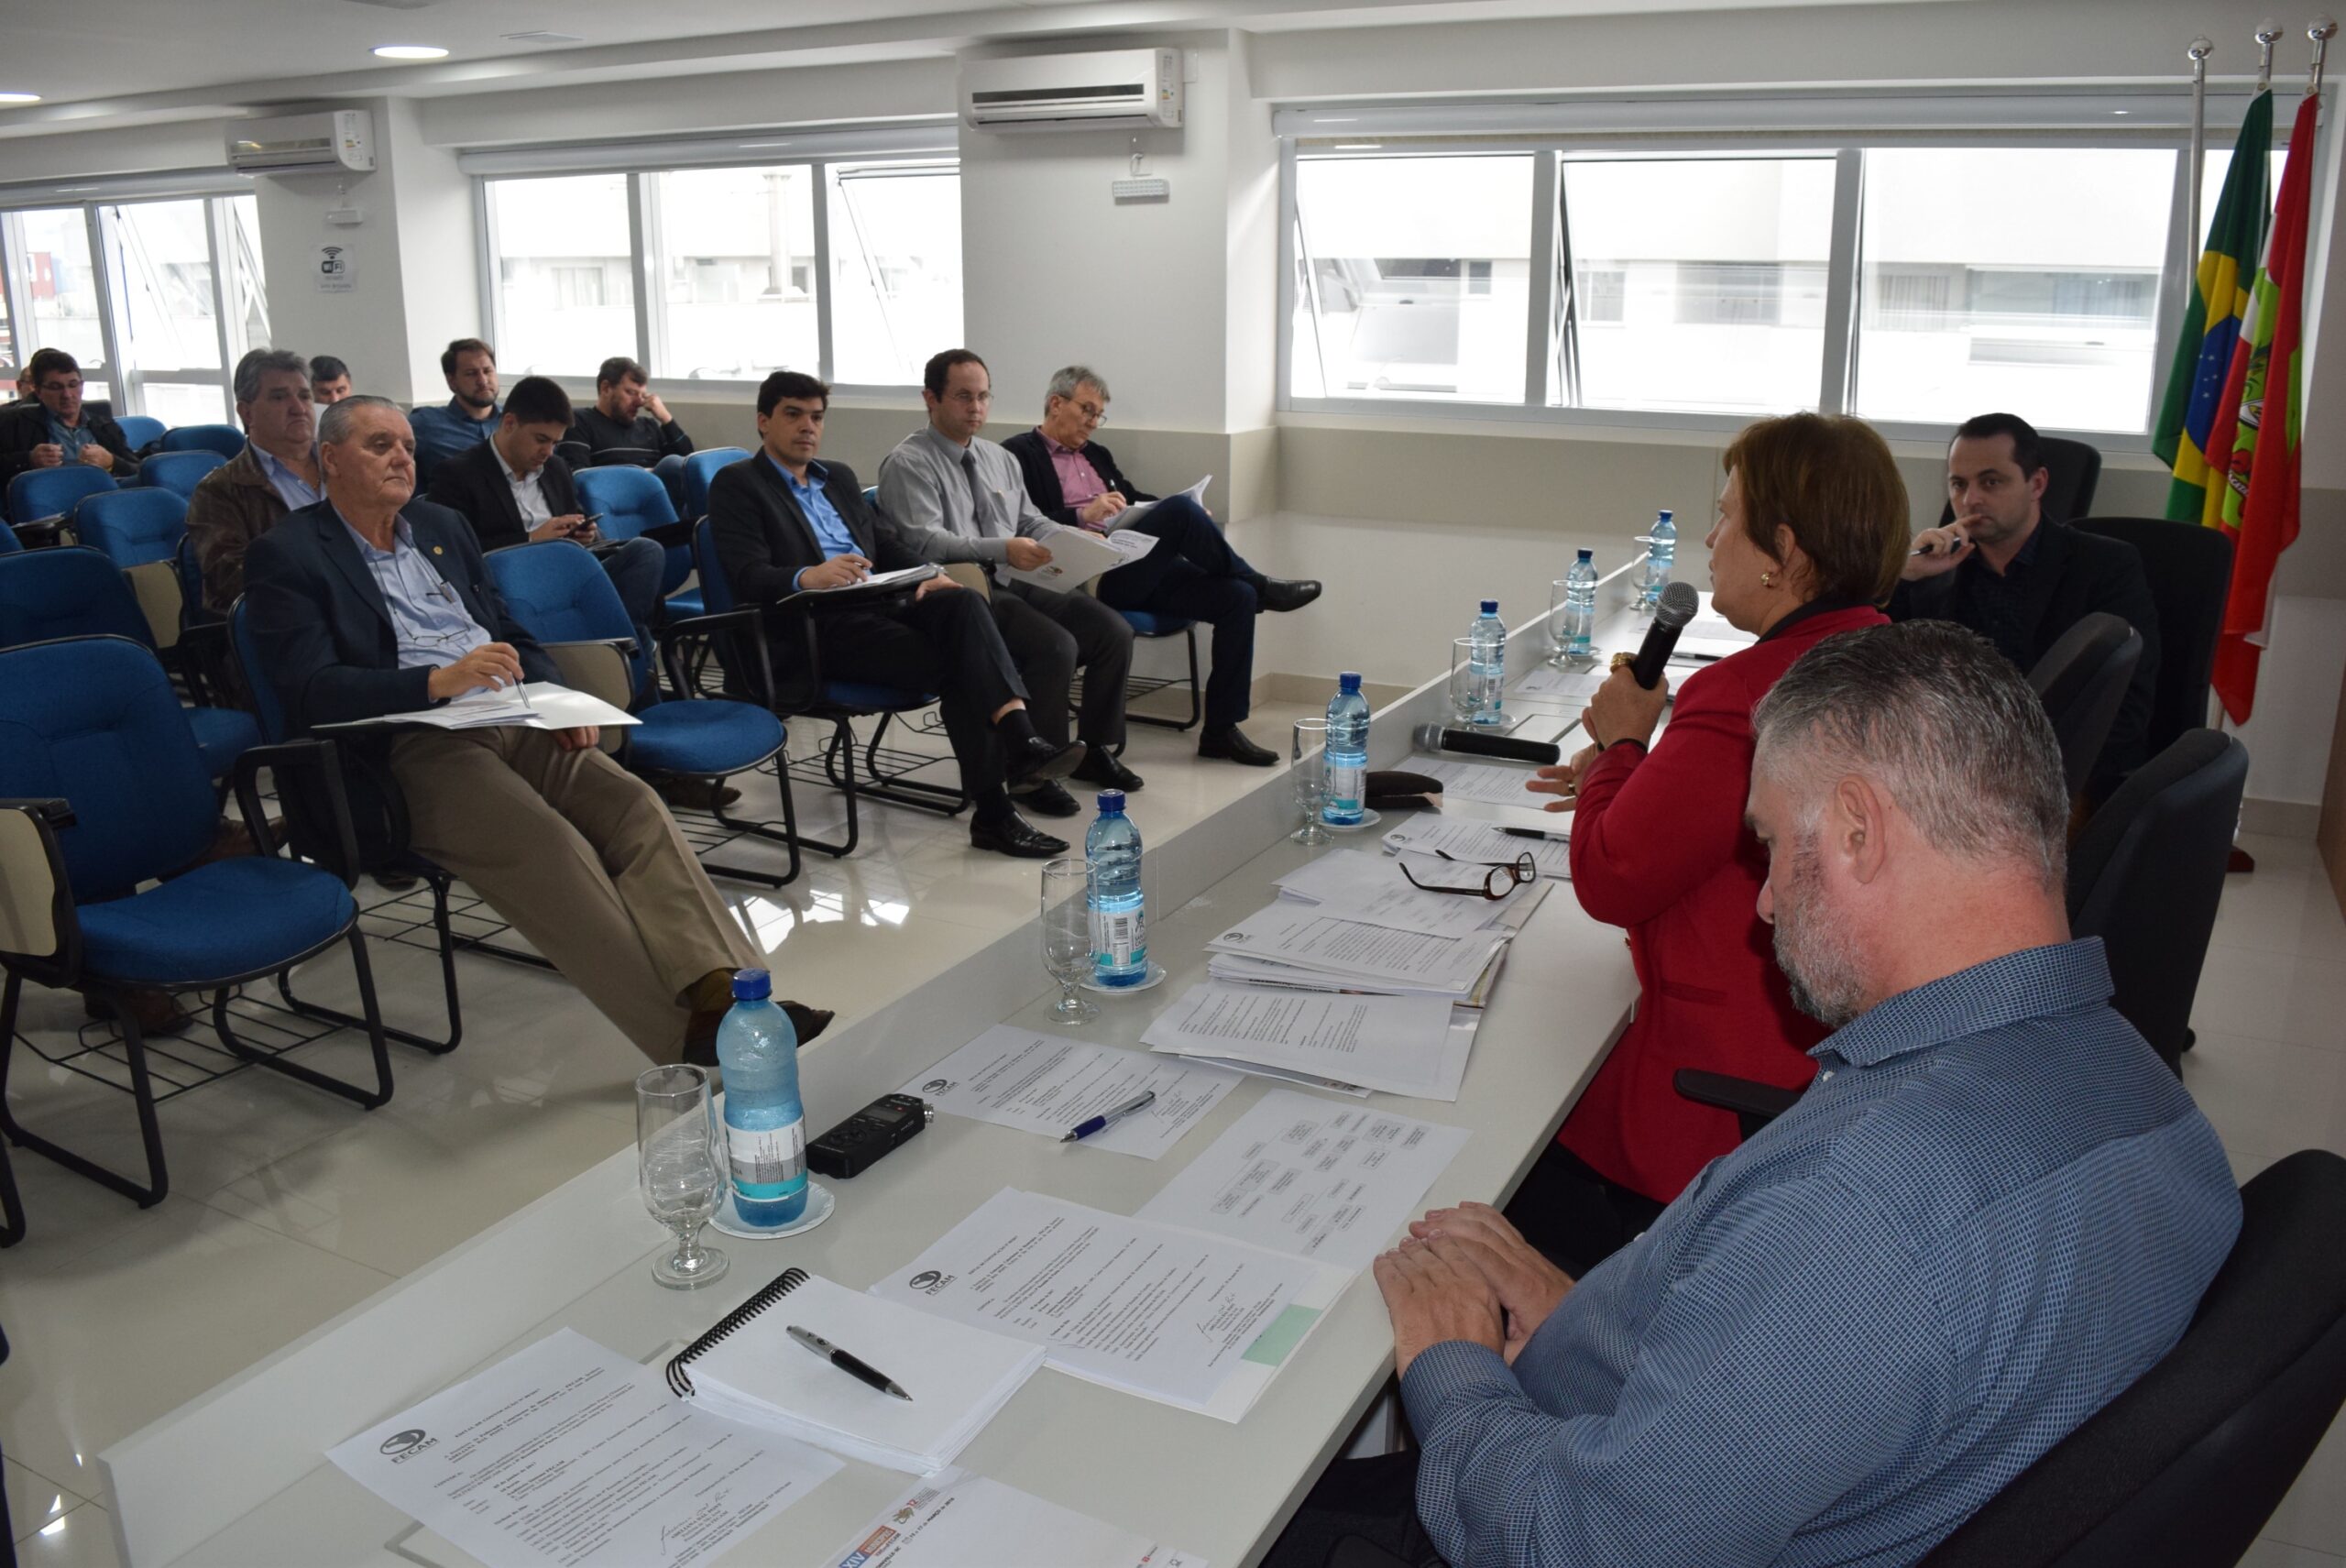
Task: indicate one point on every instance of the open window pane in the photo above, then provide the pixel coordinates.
(566, 291)
(895, 238)
(63, 309)
(165, 305)
(247, 299)
(1413, 277)
(1976, 295)
(734, 253)
(1700, 283)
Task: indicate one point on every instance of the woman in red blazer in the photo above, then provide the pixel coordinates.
(1811, 534)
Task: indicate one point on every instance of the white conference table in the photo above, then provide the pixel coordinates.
(238, 1477)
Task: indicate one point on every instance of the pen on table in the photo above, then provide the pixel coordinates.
(1528, 833)
(860, 1370)
(1110, 1118)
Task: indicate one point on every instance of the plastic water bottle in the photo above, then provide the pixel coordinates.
(1580, 613)
(1347, 756)
(1662, 551)
(1487, 658)
(1112, 893)
(765, 1124)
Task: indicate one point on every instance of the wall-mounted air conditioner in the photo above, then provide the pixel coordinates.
(1131, 89)
(332, 141)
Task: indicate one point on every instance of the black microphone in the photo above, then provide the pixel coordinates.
(1434, 737)
(1679, 605)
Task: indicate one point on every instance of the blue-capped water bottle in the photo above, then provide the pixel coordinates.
(1661, 553)
(1576, 637)
(1112, 893)
(765, 1124)
(1347, 758)
(1487, 664)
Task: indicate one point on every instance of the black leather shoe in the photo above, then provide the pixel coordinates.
(1036, 760)
(1231, 745)
(1013, 836)
(1047, 799)
(1107, 772)
(1279, 594)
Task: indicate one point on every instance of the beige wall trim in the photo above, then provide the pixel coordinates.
(2280, 818)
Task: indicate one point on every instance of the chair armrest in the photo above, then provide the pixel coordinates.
(319, 755)
(971, 575)
(204, 657)
(1756, 1103)
(55, 810)
(38, 925)
(749, 620)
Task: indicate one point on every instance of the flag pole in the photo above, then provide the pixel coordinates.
(2323, 30)
(2199, 49)
(2266, 36)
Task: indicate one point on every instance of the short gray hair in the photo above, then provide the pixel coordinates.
(260, 362)
(336, 419)
(1943, 723)
(1065, 380)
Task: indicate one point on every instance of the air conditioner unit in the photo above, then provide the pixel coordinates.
(332, 141)
(1119, 89)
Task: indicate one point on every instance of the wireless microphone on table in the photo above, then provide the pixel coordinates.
(1679, 605)
(1465, 743)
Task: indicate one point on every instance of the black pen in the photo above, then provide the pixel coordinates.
(862, 1371)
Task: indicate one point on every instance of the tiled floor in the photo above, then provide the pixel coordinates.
(289, 1207)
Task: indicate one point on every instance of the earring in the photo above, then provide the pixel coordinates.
(1767, 579)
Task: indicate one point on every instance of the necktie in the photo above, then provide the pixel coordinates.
(981, 510)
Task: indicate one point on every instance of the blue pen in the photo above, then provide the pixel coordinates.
(1110, 1118)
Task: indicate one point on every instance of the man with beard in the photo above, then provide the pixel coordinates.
(1993, 1209)
(471, 415)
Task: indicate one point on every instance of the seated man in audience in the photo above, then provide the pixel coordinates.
(471, 414)
(329, 380)
(2021, 578)
(373, 603)
(785, 523)
(24, 386)
(55, 429)
(629, 418)
(1993, 1209)
(952, 495)
(276, 473)
(1191, 574)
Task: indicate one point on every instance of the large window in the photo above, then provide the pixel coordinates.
(565, 301)
(895, 267)
(733, 250)
(57, 282)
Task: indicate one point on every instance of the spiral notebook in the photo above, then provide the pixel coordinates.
(748, 1369)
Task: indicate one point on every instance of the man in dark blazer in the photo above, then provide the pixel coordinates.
(2021, 578)
(784, 523)
(371, 603)
(55, 428)
(1191, 574)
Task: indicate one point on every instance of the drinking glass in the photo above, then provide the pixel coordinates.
(1560, 649)
(1462, 680)
(1066, 935)
(1310, 778)
(681, 1165)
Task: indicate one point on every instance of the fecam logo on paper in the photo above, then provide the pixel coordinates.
(929, 1281)
(402, 1446)
(936, 1086)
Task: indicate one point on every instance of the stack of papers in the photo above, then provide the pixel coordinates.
(1463, 839)
(1047, 1083)
(1402, 1045)
(957, 1518)
(538, 704)
(1079, 555)
(1295, 944)
(1134, 513)
(958, 1375)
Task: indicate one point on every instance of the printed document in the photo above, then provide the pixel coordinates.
(569, 1454)
(1493, 784)
(955, 1519)
(1132, 515)
(1046, 1083)
(1079, 555)
(1193, 1320)
(540, 705)
(1301, 937)
(1421, 834)
(1402, 1045)
(1569, 685)
(1303, 1175)
(1369, 888)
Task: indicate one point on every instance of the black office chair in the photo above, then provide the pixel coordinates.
(2082, 681)
(2190, 572)
(2147, 872)
(2072, 472)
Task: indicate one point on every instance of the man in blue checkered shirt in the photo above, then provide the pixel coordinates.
(1993, 1209)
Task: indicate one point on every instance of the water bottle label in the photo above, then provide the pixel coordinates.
(768, 1162)
(1346, 782)
(1118, 939)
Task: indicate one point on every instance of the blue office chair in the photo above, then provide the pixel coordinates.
(634, 502)
(9, 541)
(106, 792)
(180, 471)
(746, 653)
(77, 592)
(140, 431)
(562, 599)
(143, 530)
(700, 471)
(38, 494)
(225, 439)
(137, 527)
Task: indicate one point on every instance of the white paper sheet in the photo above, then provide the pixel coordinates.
(1300, 935)
(1402, 1045)
(1193, 1320)
(1046, 1083)
(1466, 840)
(1077, 557)
(1304, 1174)
(1552, 681)
(1369, 888)
(956, 1520)
(549, 706)
(1285, 1075)
(567, 1452)
(1134, 513)
(1491, 782)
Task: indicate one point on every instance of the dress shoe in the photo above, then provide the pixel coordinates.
(1280, 594)
(1036, 761)
(157, 1012)
(1232, 745)
(695, 795)
(1107, 772)
(1048, 800)
(1011, 834)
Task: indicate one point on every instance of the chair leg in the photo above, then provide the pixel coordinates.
(899, 789)
(372, 1023)
(1197, 691)
(786, 835)
(840, 743)
(142, 1089)
(12, 1206)
(447, 945)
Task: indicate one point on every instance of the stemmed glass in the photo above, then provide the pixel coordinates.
(1310, 753)
(1066, 935)
(681, 1165)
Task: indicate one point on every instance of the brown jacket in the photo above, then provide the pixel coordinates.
(232, 505)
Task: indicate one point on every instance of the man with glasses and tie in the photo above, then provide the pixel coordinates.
(372, 603)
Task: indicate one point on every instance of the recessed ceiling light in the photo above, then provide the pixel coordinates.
(2122, 111)
(1360, 146)
(19, 97)
(410, 51)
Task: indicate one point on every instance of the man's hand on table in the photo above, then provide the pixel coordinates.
(1476, 1238)
(1433, 1301)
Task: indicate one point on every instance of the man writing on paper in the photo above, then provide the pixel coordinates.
(373, 603)
(1993, 1209)
(1193, 575)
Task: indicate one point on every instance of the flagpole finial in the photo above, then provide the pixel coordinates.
(2321, 32)
(2199, 48)
(2268, 33)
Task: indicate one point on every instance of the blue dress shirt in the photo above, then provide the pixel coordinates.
(428, 617)
(445, 430)
(1993, 1210)
(830, 533)
(291, 489)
